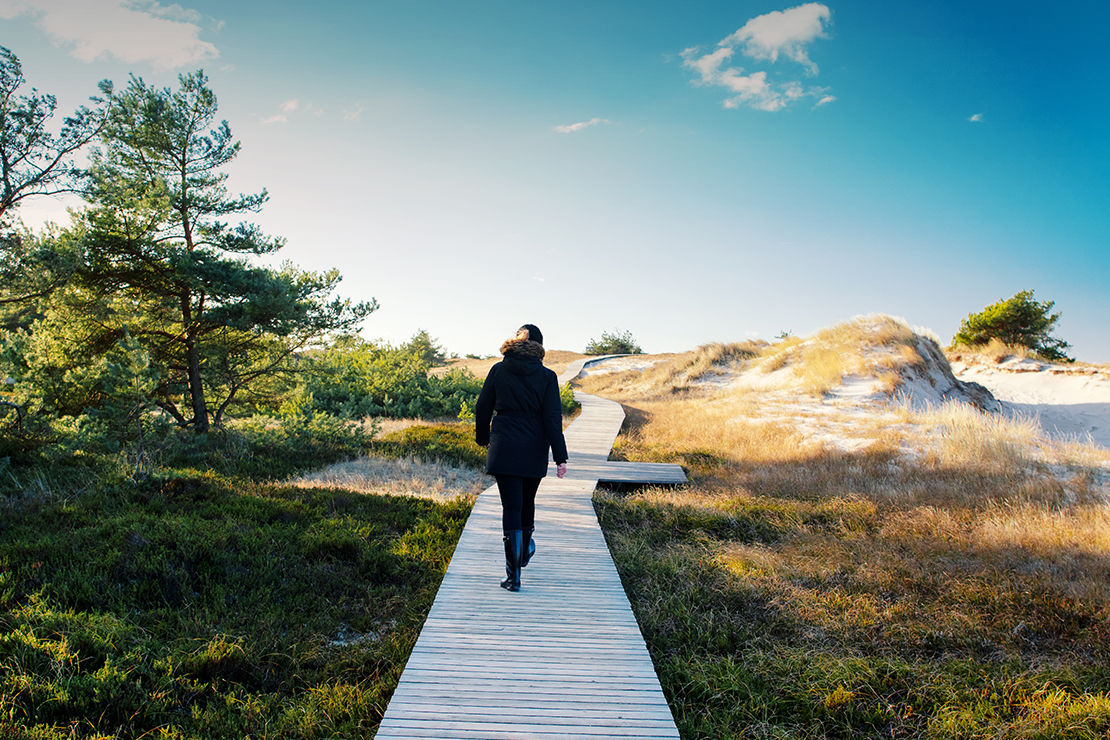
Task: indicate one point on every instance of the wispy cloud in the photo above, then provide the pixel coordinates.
(976, 118)
(763, 39)
(289, 107)
(354, 114)
(571, 128)
(132, 31)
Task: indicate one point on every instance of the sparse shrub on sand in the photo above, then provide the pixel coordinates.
(617, 343)
(1017, 321)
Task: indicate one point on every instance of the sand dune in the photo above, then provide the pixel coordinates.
(1068, 402)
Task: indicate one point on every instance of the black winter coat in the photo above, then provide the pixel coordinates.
(529, 418)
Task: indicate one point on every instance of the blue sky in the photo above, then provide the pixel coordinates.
(690, 172)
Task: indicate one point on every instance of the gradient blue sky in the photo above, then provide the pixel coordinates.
(688, 171)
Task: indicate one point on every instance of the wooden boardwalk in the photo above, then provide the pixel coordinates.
(563, 658)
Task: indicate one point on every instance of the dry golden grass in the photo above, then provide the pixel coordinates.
(956, 541)
(675, 373)
(994, 352)
(857, 347)
(383, 476)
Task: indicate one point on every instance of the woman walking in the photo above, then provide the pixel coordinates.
(528, 421)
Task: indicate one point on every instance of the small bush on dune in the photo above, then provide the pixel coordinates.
(1019, 321)
(617, 343)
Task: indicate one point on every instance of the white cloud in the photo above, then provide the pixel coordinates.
(786, 31)
(276, 119)
(976, 118)
(290, 105)
(763, 38)
(133, 31)
(571, 128)
(825, 100)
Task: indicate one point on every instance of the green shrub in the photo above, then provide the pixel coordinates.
(203, 607)
(617, 343)
(1017, 321)
(355, 379)
(566, 397)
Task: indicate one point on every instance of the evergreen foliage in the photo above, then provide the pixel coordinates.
(1018, 321)
(354, 379)
(34, 162)
(426, 348)
(566, 399)
(617, 343)
(159, 262)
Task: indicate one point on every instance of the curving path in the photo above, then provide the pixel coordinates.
(562, 659)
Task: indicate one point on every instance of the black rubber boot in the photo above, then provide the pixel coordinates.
(514, 545)
(529, 548)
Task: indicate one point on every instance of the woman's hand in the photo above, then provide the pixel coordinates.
(561, 469)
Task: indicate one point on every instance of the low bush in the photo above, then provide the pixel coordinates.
(566, 398)
(356, 379)
(617, 343)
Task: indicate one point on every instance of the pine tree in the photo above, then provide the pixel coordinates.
(1019, 321)
(160, 260)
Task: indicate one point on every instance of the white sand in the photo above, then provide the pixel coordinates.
(1069, 403)
(623, 364)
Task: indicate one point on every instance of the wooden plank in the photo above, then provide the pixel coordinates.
(561, 659)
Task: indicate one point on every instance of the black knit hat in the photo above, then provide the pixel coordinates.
(534, 333)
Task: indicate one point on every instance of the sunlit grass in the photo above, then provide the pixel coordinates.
(952, 579)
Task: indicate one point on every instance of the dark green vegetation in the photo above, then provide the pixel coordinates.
(206, 600)
(353, 378)
(147, 311)
(448, 443)
(1018, 321)
(206, 606)
(617, 343)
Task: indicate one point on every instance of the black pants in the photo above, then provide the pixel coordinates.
(518, 501)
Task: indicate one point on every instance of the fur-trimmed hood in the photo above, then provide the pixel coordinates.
(524, 348)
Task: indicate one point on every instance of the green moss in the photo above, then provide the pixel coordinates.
(205, 607)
